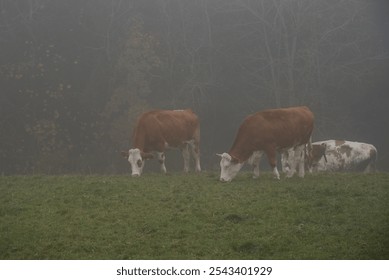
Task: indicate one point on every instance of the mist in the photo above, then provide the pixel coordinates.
(74, 75)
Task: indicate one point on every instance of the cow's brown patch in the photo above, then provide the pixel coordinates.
(318, 151)
(339, 142)
(345, 149)
(339, 158)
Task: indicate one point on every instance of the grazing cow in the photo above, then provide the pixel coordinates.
(267, 132)
(160, 129)
(340, 155)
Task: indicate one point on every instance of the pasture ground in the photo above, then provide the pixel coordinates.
(178, 216)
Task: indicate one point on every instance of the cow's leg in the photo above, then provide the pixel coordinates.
(284, 162)
(194, 145)
(186, 156)
(287, 162)
(276, 173)
(299, 157)
(161, 160)
(256, 169)
(292, 162)
(272, 158)
(254, 161)
(196, 148)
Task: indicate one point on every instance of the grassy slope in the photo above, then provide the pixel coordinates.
(326, 216)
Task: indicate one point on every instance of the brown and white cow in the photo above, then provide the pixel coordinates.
(158, 130)
(269, 131)
(341, 155)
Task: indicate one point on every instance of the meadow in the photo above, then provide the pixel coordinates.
(178, 216)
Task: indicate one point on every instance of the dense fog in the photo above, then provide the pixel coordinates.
(75, 74)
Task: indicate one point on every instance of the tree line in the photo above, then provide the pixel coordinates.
(76, 74)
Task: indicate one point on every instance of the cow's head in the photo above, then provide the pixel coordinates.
(229, 166)
(318, 151)
(136, 158)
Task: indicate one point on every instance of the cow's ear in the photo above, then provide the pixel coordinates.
(147, 156)
(124, 154)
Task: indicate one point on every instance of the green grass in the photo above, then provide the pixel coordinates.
(324, 216)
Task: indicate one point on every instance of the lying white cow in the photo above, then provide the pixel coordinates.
(340, 155)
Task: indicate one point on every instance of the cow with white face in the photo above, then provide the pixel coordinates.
(158, 130)
(229, 167)
(341, 155)
(267, 132)
(136, 160)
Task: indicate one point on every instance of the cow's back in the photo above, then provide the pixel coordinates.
(286, 127)
(165, 127)
(178, 125)
(275, 128)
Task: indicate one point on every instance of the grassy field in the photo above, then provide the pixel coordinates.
(326, 216)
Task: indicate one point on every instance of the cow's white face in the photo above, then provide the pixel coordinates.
(136, 161)
(229, 167)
